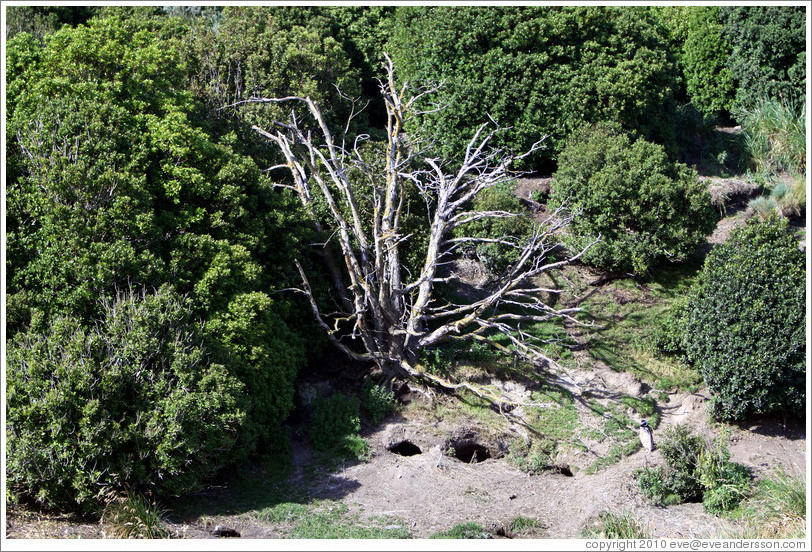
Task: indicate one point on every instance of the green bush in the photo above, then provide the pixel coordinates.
(658, 486)
(268, 52)
(537, 71)
(115, 176)
(703, 50)
(334, 426)
(643, 206)
(681, 450)
(133, 403)
(696, 470)
(498, 256)
(768, 56)
(377, 400)
(726, 483)
(745, 323)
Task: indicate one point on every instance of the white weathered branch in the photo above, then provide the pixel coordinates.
(389, 313)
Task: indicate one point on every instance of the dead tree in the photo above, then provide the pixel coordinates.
(392, 314)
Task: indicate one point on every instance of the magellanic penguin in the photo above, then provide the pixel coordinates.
(646, 436)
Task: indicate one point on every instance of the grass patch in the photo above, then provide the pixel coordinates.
(775, 136)
(626, 313)
(330, 520)
(468, 530)
(134, 517)
(776, 510)
(610, 525)
(521, 525)
(615, 454)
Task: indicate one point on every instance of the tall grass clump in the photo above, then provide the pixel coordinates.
(777, 509)
(775, 135)
(612, 525)
(134, 516)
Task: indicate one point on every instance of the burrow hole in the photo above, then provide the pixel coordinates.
(563, 470)
(405, 448)
(471, 452)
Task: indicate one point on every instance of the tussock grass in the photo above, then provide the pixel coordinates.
(134, 517)
(330, 520)
(775, 135)
(612, 525)
(524, 525)
(777, 510)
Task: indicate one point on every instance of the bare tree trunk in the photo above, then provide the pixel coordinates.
(395, 315)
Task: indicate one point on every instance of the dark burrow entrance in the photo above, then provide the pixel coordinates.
(405, 448)
(470, 452)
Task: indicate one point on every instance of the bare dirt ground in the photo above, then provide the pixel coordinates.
(430, 491)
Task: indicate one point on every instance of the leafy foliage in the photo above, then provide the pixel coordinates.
(744, 328)
(512, 229)
(768, 57)
(41, 20)
(705, 53)
(377, 400)
(134, 402)
(266, 53)
(112, 168)
(539, 71)
(696, 470)
(334, 426)
(643, 206)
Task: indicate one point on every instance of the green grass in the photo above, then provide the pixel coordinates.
(611, 525)
(615, 454)
(775, 135)
(521, 525)
(623, 329)
(777, 510)
(468, 530)
(329, 520)
(134, 517)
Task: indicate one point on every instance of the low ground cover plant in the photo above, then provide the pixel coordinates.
(696, 470)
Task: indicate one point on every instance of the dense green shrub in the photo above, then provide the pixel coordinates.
(115, 178)
(705, 54)
(697, 39)
(334, 425)
(537, 71)
(133, 403)
(642, 205)
(745, 323)
(41, 20)
(497, 257)
(695, 470)
(681, 450)
(269, 52)
(768, 57)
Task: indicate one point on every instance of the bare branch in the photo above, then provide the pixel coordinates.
(387, 311)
